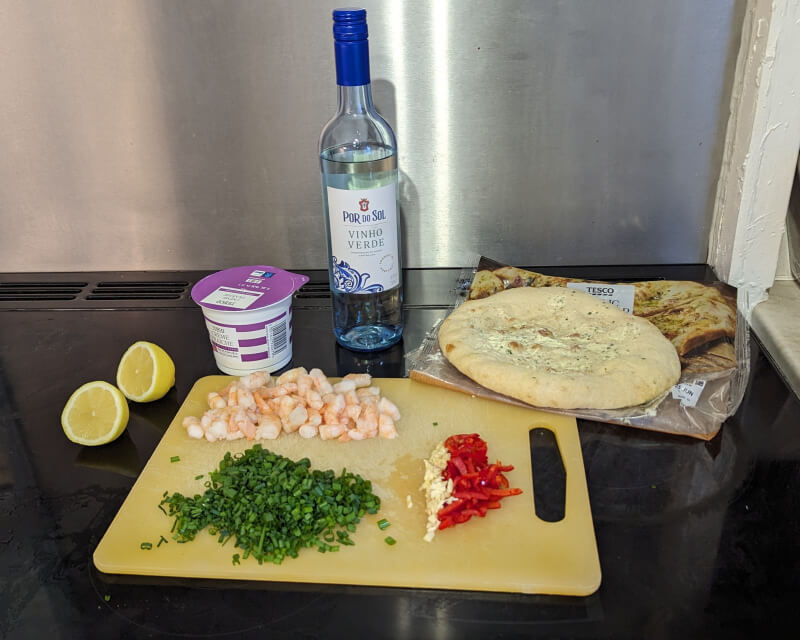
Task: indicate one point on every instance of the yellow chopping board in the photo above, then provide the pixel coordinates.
(510, 550)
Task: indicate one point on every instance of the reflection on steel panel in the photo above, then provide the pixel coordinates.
(145, 134)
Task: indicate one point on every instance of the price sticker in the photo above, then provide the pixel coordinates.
(688, 392)
(620, 295)
(232, 298)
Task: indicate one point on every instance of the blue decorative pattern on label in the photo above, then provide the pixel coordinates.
(349, 280)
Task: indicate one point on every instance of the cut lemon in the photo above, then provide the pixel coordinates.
(96, 413)
(145, 373)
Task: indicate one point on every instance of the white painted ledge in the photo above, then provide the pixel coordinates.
(761, 144)
(776, 323)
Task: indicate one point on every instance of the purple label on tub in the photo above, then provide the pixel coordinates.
(246, 288)
(253, 357)
(244, 328)
(224, 349)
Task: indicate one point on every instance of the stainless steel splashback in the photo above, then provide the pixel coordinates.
(172, 134)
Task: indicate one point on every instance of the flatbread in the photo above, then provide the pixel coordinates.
(689, 314)
(560, 348)
(718, 357)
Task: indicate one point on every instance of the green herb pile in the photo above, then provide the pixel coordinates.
(273, 507)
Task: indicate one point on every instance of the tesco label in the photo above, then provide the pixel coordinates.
(620, 295)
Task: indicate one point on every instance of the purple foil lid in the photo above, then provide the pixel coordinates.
(246, 288)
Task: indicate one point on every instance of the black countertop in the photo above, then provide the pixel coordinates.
(696, 539)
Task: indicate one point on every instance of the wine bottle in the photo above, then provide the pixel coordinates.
(358, 160)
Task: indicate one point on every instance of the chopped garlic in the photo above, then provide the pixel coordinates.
(409, 501)
(438, 492)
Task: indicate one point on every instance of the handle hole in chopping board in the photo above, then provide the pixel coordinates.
(548, 474)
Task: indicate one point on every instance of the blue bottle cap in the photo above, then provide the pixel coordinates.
(349, 24)
(351, 46)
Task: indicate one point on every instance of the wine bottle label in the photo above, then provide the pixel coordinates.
(364, 239)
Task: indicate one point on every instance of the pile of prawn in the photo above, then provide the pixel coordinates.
(260, 407)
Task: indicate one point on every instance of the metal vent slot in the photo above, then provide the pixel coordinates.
(314, 290)
(20, 291)
(132, 296)
(166, 290)
(160, 284)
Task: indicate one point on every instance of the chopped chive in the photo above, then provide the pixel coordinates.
(383, 524)
(146, 546)
(271, 507)
(106, 597)
(198, 477)
(163, 509)
(163, 540)
(175, 459)
(435, 424)
(389, 540)
(235, 560)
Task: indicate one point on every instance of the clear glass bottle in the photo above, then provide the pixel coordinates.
(358, 159)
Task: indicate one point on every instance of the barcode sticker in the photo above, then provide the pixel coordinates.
(620, 295)
(688, 392)
(278, 337)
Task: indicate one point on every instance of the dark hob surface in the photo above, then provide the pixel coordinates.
(696, 539)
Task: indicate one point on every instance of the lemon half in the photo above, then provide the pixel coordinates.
(145, 373)
(96, 413)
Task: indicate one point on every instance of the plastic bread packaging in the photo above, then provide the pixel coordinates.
(710, 389)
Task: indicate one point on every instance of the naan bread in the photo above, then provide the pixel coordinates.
(560, 348)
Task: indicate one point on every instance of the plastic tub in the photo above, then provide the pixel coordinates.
(248, 313)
